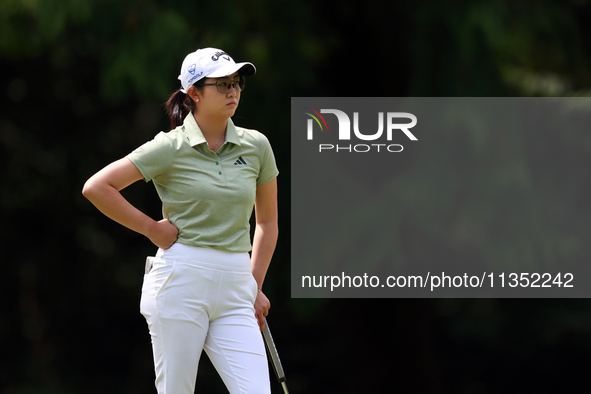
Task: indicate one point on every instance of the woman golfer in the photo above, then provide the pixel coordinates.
(203, 290)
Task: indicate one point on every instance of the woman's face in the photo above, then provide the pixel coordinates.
(214, 103)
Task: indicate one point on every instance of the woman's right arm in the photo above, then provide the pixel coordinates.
(103, 190)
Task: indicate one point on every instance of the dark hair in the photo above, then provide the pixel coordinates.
(179, 105)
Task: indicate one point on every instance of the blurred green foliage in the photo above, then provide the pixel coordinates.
(83, 84)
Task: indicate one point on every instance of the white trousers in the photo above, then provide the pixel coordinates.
(198, 299)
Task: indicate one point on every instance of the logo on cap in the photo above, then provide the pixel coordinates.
(194, 77)
(217, 55)
(192, 68)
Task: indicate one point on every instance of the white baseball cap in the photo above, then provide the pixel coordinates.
(210, 63)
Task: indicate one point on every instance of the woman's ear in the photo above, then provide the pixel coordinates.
(194, 93)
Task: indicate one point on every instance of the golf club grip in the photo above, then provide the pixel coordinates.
(273, 353)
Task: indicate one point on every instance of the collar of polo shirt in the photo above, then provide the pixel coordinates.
(196, 136)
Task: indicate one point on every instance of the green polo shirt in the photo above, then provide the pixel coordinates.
(209, 196)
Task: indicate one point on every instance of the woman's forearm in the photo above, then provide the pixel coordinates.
(103, 190)
(112, 204)
(263, 246)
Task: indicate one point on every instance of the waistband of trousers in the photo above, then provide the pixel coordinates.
(206, 257)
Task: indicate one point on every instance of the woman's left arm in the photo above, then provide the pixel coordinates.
(263, 245)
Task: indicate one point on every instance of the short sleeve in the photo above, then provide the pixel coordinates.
(154, 157)
(268, 169)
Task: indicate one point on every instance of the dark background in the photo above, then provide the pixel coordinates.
(83, 84)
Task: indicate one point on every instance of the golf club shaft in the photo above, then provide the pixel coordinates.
(272, 350)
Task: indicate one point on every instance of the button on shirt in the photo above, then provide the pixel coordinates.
(208, 196)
